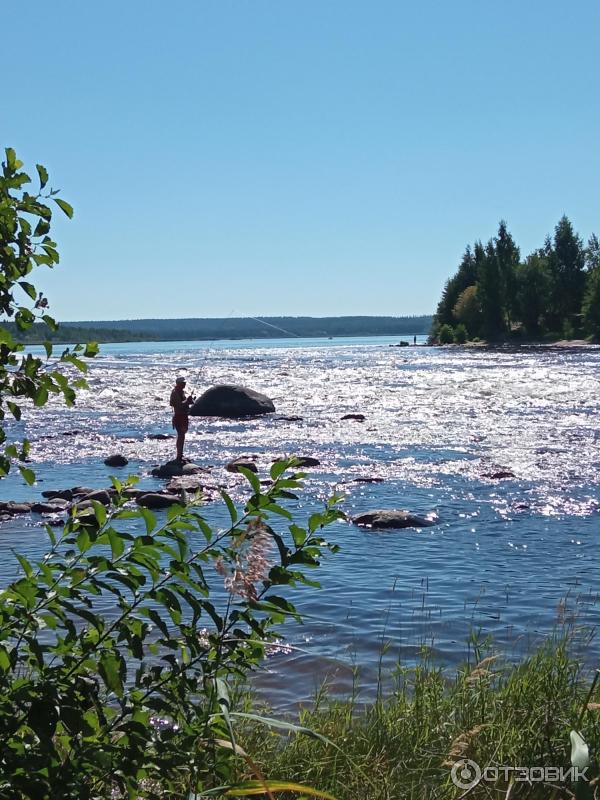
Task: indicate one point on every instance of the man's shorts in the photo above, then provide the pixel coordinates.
(181, 423)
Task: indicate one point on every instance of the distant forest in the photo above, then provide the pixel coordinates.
(553, 293)
(232, 328)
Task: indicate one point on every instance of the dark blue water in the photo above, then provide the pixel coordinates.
(513, 558)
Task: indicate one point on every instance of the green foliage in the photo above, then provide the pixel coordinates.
(468, 309)
(66, 334)
(533, 287)
(495, 296)
(567, 260)
(490, 290)
(591, 303)
(507, 257)
(406, 746)
(25, 243)
(446, 334)
(464, 277)
(119, 648)
(460, 334)
(592, 253)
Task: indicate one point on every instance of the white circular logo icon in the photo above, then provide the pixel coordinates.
(465, 773)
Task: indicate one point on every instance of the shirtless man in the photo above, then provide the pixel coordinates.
(181, 410)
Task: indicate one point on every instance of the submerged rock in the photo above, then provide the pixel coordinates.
(499, 475)
(174, 468)
(225, 400)
(234, 466)
(116, 460)
(393, 518)
(307, 461)
(356, 417)
(160, 436)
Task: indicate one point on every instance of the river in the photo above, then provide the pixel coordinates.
(513, 558)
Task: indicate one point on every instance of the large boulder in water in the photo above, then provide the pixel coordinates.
(226, 400)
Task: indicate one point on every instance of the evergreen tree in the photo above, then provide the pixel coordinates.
(591, 303)
(591, 299)
(566, 263)
(592, 253)
(507, 254)
(465, 276)
(533, 284)
(489, 291)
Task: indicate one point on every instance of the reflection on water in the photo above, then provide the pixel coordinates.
(504, 446)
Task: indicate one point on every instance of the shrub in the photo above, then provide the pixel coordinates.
(25, 243)
(97, 705)
(446, 334)
(568, 330)
(460, 334)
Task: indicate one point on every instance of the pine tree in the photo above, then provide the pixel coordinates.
(507, 254)
(592, 253)
(489, 291)
(566, 263)
(533, 283)
(466, 275)
(591, 303)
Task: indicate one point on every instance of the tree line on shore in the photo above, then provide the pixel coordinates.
(226, 328)
(553, 293)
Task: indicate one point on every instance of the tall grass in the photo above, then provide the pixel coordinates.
(404, 746)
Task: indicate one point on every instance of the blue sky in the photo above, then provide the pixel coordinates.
(293, 156)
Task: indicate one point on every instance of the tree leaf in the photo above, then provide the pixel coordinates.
(43, 173)
(28, 475)
(66, 207)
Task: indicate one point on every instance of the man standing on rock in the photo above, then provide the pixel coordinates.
(181, 411)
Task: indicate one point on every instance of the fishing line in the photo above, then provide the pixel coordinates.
(255, 319)
(277, 328)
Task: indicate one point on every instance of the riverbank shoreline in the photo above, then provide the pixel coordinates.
(415, 741)
(529, 343)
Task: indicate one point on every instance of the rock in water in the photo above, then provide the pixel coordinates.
(225, 400)
(234, 466)
(60, 494)
(157, 500)
(392, 518)
(307, 461)
(173, 469)
(10, 507)
(116, 460)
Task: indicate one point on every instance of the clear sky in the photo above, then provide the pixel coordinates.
(319, 157)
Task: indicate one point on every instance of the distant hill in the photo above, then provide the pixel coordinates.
(221, 328)
(264, 327)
